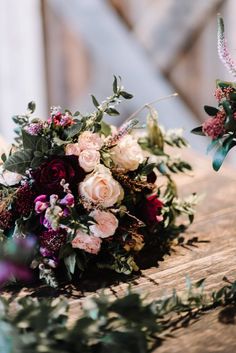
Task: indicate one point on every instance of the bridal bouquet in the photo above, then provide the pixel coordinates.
(88, 194)
(221, 125)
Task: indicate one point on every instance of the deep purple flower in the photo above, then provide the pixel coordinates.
(68, 200)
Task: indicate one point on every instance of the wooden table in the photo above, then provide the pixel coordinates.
(213, 257)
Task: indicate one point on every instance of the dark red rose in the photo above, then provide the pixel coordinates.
(151, 177)
(49, 175)
(151, 210)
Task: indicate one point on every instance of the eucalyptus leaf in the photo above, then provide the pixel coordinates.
(126, 95)
(31, 107)
(112, 111)
(105, 128)
(95, 102)
(115, 85)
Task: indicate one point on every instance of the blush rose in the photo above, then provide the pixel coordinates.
(100, 188)
(89, 140)
(88, 159)
(127, 153)
(106, 224)
(88, 243)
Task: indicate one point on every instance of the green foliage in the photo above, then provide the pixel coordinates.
(212, 111)
(130, 324)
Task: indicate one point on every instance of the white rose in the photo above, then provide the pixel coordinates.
(88, 159)
(127, 153)
(72, 149)
(106, 224)
(89, 140)
(99, 188)
(8, 178)
(88, 243)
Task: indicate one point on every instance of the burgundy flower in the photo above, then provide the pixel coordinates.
(50, 174)
(24, 202)
(151, 177)
(6, 219)
(52, 240)
(150, 210)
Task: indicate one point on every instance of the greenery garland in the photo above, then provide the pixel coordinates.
(130, 324)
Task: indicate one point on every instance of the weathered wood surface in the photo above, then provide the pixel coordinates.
(212, 257)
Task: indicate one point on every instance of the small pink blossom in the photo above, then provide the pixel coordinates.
(214, 127)
(219, 94)
(88, 243)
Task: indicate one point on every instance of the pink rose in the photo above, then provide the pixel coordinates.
(99, 188)
(106, 224)
(89, 140)
(88, 159)
(72, 149)
(88, 243)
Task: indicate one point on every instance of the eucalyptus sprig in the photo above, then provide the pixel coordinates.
(131, 324)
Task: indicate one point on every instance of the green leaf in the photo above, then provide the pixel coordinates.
(112, 111)
(233, 96)
(77, 113)
(19, 161)
(29, 141)
(95, 102)
(200, 283)
(222, 152)
(42, 145)
(197, 131)
(126, 95)
(227, 107)
(224, 84)
(66, 251)
(73, 130)
(31, 107)
(37, 160)
(211, 110)
(70, 262)
(3, 157)
(105, 128)
(115, 85)
(212, 145)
